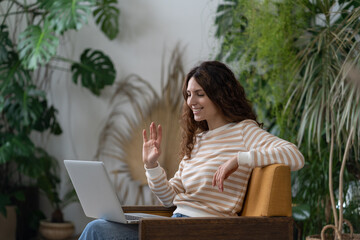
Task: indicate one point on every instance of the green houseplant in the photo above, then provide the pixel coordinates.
(56, 227)
(326, 97)
(264, 41)
(23, 110)
(30, 34)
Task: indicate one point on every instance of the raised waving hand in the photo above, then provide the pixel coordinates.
(151, 146)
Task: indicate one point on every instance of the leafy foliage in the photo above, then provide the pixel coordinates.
(23, 109)
(27, 49)
(95, 70)
(37, 46)
(5, 43)
(328, 55)
(261, 58)
(305, 51)
(107, 15)
(325, 93)
(12, 70)
(38, 43)
(64, 14)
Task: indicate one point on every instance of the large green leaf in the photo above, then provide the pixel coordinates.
(107, 16)
(301, 212)
(67, 14)
(5, 43)
(37, 45)
(22, 107)
(39, 164)
(15, 146)
(95, 70)
(11, 72)
(48, 120)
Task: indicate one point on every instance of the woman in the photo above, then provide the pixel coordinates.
(222, 142)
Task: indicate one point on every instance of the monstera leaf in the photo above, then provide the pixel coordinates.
(23, 106)
(67, 14)
(37, 45)
(12, 72)
(13, 146)
(107, 16)
(5, 43)
(95, 70)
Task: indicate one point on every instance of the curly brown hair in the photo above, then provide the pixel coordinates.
(222, 88)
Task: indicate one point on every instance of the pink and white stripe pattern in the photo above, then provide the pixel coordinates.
(191, 187)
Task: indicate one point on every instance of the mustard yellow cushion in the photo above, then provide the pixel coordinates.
(269, 192)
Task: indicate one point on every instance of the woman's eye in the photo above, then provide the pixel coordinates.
(201, 95)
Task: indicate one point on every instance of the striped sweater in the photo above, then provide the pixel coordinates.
(191, 187)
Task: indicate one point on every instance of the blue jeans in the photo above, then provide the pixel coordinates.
(101, 229)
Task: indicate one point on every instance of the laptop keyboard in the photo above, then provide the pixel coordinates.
(131, 217)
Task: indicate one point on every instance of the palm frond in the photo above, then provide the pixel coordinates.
(135, 104)
(325, 64)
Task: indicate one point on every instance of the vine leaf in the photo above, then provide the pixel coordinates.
(37, 45)
(95, 70)
(107, 16)
(67, 14)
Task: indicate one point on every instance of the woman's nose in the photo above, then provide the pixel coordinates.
(191, 100)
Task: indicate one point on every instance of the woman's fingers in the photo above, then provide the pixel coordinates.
(151, 145)
(155, 133)
(152, 131)
(159, 135)
(144, 136)
(218, 180)
(214, 180)
(224, 171)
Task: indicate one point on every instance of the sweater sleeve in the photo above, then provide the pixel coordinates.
(165, 190)
(265, 148)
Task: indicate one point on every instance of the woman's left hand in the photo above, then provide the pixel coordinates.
(223, 172)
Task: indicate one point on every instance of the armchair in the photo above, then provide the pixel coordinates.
(266, 213)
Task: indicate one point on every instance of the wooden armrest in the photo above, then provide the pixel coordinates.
(244, 228)
(157, 210)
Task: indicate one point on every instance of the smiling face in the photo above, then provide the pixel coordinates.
(202, 107)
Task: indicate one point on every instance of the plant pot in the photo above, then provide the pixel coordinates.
(27, 212)
(345, 236)
(8, 224)
(331, 236)
(56, 231)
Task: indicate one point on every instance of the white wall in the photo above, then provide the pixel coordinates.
(147, 29)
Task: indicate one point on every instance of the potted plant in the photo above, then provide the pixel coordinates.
(56, 227)
(28, 57)
(325, 93)
(22, 165)
(263, 41)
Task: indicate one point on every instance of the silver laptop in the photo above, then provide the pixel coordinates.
(96, 193)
